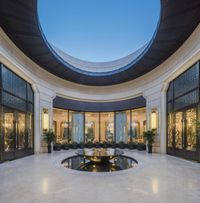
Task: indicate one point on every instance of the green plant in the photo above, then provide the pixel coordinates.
(81, 145)
(104, 144)
(97, 144)
(74, 145)
(89, 144)
(141, 146)
(65, 146)
(49, 136)
(57, 147)
(132, 145)
(149, 136)
(121, 145)
(113, 144)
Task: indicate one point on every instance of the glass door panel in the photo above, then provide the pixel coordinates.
(138, 125)
(61, 125)
(122, 126)
(21, 141)
(91, 127)
(9, 129)
(30, 130)
(191, 133)
(107, 126)
(170, 130)
(76, 126)
(178, 130)
(65, 134)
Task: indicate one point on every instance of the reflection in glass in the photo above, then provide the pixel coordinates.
(65, 135)
(30, 130)
(191, 129)
(178, 130)
(61, 127)
(107, 126)
(76, 126)
(9, 129)
(92, 127)
(122, 126)
(138, 124)
(17, 122)
(21, 142)
(170, 130)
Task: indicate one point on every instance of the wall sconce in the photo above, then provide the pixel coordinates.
(45, 119)
(154, 120)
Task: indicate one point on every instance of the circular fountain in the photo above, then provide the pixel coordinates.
(99, 160)
(98, 155)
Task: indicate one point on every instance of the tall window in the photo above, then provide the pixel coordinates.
(107, 126)
(9, 129)
(191, 129)
(138, 124)
(76, 126)
(182, 107)
(122, 126)
(92, 127)
(17, 112)
(61, 126)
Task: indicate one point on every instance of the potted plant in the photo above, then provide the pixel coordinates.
(141, 146)
(74, 145)
(65, 146)
(89, 144)
(81, 145)
(132, 145)
(97, 144)
(149, 138)
(49, 137)
(57, 147)
(121, 145)
(104, 144)
(113, 144)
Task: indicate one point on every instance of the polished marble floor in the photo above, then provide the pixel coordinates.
(157, 178)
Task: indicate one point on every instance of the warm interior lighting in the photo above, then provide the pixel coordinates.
(153, 120)
(45, 119)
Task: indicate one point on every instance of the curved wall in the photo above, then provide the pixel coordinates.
(63, 103)
(152, 85)
(145, 85)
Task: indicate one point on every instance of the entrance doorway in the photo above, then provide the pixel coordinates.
(182, 133)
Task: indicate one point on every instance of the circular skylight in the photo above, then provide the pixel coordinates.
(98, 30)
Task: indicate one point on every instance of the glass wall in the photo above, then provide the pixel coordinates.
(92, 127)
(76, 126)
(138, 124)
(9, 129)
(16, 115)
(191, 130)
(61, 125)
(182, 110)
(124, 126)
(107, 126)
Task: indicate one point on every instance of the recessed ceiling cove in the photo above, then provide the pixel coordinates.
(178, 18)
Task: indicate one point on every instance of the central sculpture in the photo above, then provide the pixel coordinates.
(98, 155)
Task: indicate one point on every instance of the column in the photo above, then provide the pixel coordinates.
(163, 123)
(37, 122)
